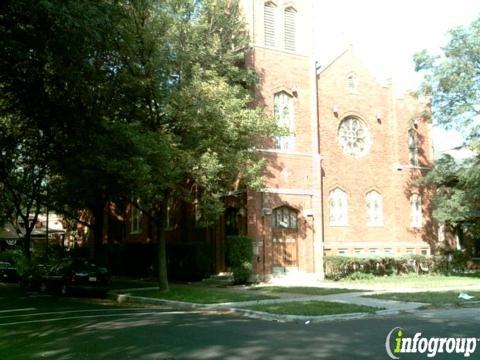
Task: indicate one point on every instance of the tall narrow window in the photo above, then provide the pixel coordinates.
(269, 24)
(284, 217)
(338, 207)
(374, 209)
(289, 29)
(352, 83)
(284, 114)
(416, 211)
(135, 220)
(413, 147)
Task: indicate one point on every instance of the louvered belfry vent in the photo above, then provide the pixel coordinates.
(269, 24)
(290, 29)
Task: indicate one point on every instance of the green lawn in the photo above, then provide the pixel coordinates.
(125, 283)
(416, 281)
(431, 297)
(13, 297)
(312, 308)
(300, 290)
(202, 294)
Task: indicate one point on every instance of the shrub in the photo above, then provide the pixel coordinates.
(239, 258)
(339, 267)
(458, 259)
(357, 275)
(16, 258)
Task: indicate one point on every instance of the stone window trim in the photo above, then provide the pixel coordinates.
(287, 89)
(338, 207)
(290, 4)
(353, 136)
(271, 2)
(285, 217)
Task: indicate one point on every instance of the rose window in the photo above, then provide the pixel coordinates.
(354, 137)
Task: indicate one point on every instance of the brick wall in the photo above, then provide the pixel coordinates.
(388, 120)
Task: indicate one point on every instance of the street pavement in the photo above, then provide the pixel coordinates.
(104, 330)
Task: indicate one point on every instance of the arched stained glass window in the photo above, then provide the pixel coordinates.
(338, 207)
(284, 114)
(353, 136)
(374, 208)
(284, 217)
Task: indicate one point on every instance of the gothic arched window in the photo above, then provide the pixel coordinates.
(413, 147)
(284, 114)
(284, 217)
(354, 136)
(352, 83)
(416, 219)
(338, 207)
(374, 208)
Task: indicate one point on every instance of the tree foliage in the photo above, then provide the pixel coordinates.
(452, 79)
(142, 100)
(24, 172)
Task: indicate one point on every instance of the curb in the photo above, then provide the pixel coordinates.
(298, 318)
(121, 298)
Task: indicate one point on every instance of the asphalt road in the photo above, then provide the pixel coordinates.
(79, 329)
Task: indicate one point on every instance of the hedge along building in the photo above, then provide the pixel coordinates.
(343, 180)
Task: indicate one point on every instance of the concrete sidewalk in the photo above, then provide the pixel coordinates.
(386, 307)
(356, 298)
(329, 284)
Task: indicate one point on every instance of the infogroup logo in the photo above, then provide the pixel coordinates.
(397, 343)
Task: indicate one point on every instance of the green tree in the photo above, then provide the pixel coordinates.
(203, 129)
(24, 174)
(60, 74)
(452, 79)
(142, 100)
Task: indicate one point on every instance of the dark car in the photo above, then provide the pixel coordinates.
(8, 273)
(70, 276)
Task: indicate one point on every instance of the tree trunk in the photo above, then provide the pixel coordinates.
(162, 248)
(96, 246)
(26, 246)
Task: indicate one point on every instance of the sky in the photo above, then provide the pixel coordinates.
(386, 34)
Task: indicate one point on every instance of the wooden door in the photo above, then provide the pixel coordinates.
(284, 245)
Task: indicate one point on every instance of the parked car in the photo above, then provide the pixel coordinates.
(8, 273)
(69, 276)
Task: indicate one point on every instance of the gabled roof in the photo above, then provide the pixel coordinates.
(350, 51)
(331, 62)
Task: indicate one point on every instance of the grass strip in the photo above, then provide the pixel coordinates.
(312, 308)
(428, 281)
(430, 297)
(301, 290)
(202, 295)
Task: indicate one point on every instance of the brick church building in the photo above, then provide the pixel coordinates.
(343, 180)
